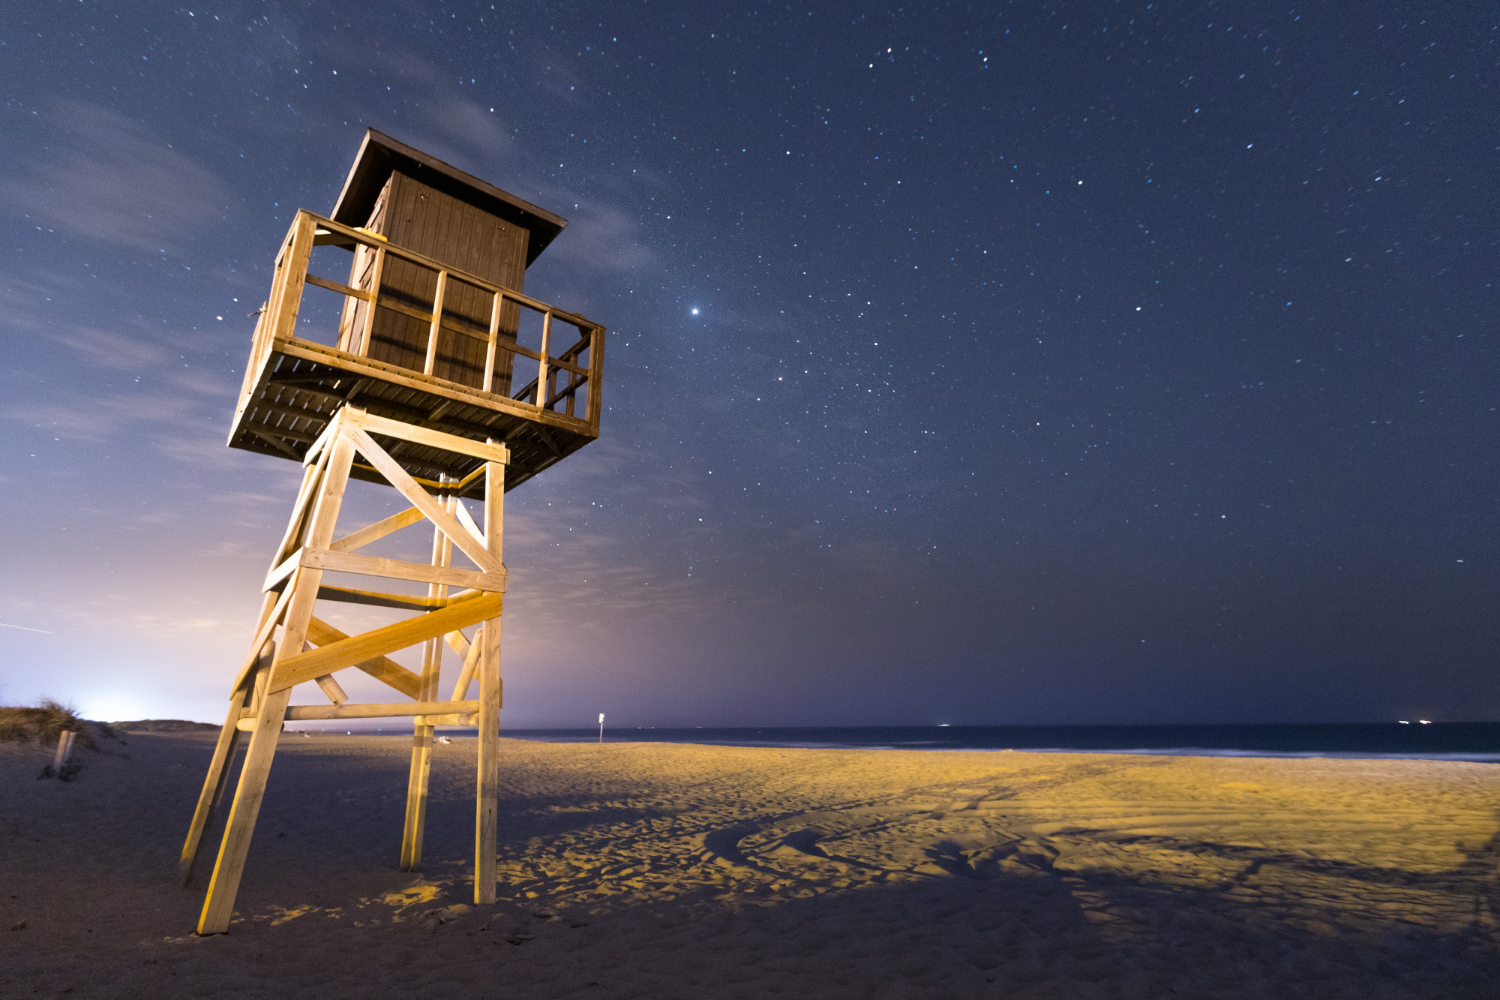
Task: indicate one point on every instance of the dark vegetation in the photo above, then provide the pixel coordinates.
(47, 722)
(164, 726)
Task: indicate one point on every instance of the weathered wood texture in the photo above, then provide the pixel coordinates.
(310, 649)
(64, 748)
(438, 225)
(487, 641)
(218, 773)
(416, 390)
(294, 386)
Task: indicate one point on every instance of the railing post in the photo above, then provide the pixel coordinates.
(369, 324)
(294, 280)
(596, 372)
(541, 370)
(437, 322)
(489, 354)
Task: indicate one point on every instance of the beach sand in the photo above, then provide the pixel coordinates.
(671, 870)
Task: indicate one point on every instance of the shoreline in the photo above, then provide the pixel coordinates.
(1488, 737)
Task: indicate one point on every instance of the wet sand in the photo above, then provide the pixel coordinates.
(672, 870)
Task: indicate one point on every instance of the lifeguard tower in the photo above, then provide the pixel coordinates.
(431, 371)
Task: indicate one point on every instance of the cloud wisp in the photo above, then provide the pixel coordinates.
(106, 178)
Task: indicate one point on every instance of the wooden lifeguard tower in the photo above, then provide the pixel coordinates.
(418, 379)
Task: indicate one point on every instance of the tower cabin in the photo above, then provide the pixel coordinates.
(434, 328)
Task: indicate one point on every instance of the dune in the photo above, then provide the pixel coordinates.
(670, 870)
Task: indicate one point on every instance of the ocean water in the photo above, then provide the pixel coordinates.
(1471, 741)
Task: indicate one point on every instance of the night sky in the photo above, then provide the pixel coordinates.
(1093, 362)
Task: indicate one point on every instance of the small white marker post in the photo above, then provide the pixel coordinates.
(64, 749)
(601, 727)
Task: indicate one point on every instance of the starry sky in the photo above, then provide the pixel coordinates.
(991, 363)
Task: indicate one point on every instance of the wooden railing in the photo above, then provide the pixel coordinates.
(560, 376)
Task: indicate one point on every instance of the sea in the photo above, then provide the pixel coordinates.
(1468, 741)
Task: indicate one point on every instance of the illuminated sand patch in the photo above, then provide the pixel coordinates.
(671, 870)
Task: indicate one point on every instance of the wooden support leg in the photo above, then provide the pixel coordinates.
(421, 770)
(213, 784)
(218, 908)
(485, 806)
(485, 818)
(416, 799)
(234, 745)
(421, 741)
(270, 705)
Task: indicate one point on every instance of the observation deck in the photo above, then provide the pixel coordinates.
(417, 340)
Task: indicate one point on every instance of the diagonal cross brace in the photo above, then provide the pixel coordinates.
(382, 668)
(423, 501)
(347, 652)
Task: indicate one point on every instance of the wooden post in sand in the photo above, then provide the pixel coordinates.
(421, 388)
(64, 748)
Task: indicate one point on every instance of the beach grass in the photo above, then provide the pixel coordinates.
(46, 722)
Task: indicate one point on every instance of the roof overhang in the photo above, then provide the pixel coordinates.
(380, 155)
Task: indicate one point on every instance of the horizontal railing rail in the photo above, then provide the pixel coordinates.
(560, 376)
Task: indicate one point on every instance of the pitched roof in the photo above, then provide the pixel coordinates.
(380, 155)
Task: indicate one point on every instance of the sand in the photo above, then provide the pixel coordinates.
(662, 870)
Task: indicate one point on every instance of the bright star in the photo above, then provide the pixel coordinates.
(695, 310)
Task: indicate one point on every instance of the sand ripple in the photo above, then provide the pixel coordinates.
(669, 870)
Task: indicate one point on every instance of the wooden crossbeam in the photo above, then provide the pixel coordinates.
(450, 719)
(374, 532)
(471, 662)
(320, 443)
(272, 619)
(310, 481)
(331, 688)
(274, 441)
(347, 652)
(467, 520)
(334, 286)
(443, 441)
(422, 500)
(388, 710)
(458, 644)
(382, 668)
(380, 599)
(280, 573)
(396, 569)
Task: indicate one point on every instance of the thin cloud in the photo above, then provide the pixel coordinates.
(111, 350)
(108, 179)
(85, 416)
(469, 135)
(601, 238)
